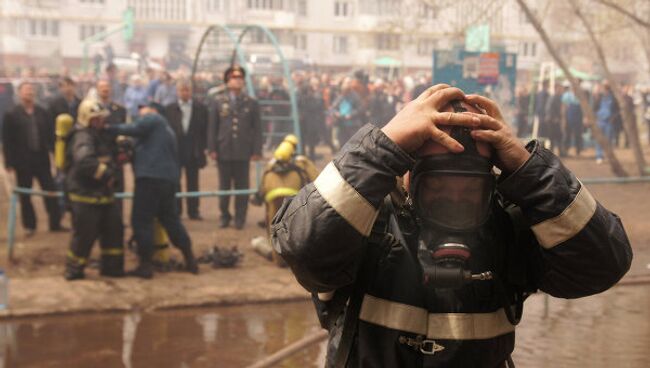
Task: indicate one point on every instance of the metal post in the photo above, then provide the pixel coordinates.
(258, 174)
(11, 225)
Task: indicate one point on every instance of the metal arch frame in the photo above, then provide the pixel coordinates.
(237, 51)
(238, 54)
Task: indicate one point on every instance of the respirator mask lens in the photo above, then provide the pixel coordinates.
(454, 201)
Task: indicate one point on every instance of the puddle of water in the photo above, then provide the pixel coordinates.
(611, 329)
(215, 337)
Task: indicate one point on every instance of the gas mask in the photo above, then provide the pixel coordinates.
(452, 195)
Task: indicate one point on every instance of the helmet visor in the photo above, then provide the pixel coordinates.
(454, 201)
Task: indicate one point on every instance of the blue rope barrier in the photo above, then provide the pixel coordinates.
(16, 191)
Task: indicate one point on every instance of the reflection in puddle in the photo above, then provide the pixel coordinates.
(215, 337)
(611, 329)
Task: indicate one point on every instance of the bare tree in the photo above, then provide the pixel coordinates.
(619, 8)
(628, 119)
(643, 33)
(616, 166)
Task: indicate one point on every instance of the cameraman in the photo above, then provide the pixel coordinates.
(436, 276)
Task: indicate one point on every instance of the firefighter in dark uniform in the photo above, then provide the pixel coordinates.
(117, 115)
(90, 183)
(234, 139)
(435, 276)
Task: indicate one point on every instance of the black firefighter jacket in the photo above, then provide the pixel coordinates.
(235, 127)
(574, 248)
(90, 166)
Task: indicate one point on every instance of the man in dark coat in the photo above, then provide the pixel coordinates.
(66, 102)
(27, 134)
(105, 97)
(541, 100)
(189, 120)
(311, 108)
(382, 106)
(235, 138)
(554, 121)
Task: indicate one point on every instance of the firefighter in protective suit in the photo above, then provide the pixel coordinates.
(283, 177)
(90, 167)
(436, 275)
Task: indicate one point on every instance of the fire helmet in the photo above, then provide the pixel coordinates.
(89, 109)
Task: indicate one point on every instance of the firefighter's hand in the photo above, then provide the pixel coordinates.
(418, 121)
(256, 157)
(511, 153)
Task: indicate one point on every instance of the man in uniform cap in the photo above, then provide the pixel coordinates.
(234, 139)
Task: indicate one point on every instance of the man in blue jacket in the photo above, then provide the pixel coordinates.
(156, 177)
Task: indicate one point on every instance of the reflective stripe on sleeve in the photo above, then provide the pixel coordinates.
(345, 200)
(444, 326)
(566, 225)
(112, 252)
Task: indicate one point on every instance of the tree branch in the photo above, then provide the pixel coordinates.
(625, 12)
(628, 120)
(590, 117)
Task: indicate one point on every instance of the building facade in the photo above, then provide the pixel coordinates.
(334, 34)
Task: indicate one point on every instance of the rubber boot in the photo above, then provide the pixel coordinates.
(191, 265)
(112, 265)
(144, 271)
(73, 270)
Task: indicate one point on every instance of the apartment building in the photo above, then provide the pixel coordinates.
(331, 33)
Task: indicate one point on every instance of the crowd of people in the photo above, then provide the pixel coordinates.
(562, 121)
(213, 117)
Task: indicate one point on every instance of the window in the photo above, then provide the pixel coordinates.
(426, 11)
(214, 5)
(257, 36)
(265, 4)
(340, 45)
(524, 51)
(342, 9)
(43, 28)
(387, 41)
(533, 49)
(388, 7)
(89, 30)
(426, 46)
(302, 8)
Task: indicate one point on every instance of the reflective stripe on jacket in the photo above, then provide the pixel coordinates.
(576, 248)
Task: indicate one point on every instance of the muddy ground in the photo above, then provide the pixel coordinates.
(37, 286)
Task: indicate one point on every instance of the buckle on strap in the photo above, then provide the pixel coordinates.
(424, 346)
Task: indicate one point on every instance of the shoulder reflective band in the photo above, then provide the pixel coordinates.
(345, 200)
(566, 225)
(443, 326)
(280, 192)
